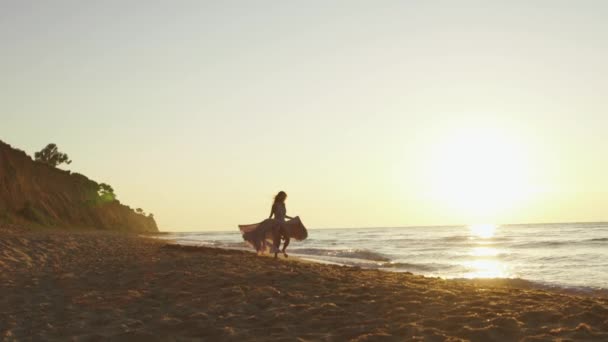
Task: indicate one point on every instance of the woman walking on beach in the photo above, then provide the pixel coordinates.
(279, 211)
(274, 229)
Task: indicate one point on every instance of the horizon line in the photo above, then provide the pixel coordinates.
(412, 226)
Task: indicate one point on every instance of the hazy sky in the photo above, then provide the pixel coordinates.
(368, 113)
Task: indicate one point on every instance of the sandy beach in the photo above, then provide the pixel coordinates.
(88, 286)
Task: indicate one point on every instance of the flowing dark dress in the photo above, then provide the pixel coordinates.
(260, 235)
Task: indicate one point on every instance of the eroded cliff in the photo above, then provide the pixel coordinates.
(37, 193)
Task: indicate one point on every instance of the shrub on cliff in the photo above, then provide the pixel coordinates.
(50, 155)
(106, 193)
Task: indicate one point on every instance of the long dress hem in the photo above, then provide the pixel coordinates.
(260, 235)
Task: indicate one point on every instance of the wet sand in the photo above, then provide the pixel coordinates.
(93, 286)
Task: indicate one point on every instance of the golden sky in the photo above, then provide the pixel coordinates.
(366, 113)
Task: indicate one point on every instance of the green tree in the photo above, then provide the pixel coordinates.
(140, 211)
(50, 155)
(106, 193)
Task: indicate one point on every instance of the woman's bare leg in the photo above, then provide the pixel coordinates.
(276, 238)
(285, 244)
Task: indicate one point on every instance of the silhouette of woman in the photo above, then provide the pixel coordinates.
(279, 212)
(274, 229)
(278, 207)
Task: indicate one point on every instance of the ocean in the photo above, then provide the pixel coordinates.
(571, 255)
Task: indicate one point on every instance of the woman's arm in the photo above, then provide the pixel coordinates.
(289, 217)
(271, 211)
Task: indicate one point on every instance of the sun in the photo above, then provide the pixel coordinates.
(480, 173)
(483, 231)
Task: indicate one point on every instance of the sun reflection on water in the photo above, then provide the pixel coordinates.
(484, 251)
(484, 261)
(486, 269)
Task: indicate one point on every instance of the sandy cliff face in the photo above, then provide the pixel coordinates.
(35, 192)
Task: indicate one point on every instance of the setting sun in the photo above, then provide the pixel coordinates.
(483, 231)
(480, 172)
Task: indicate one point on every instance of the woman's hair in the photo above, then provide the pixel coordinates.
(280, 197)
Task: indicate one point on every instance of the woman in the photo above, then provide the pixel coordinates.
(278, 207)
(274, 229)
(279, 212)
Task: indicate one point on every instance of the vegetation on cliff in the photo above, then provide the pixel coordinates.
(50, 155)
(39, 193)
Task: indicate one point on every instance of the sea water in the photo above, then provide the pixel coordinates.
(560, 254)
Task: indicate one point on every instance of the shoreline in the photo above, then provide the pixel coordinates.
(98, 285)
(582, 290)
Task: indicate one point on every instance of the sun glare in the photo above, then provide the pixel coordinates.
(484, 231)
(479, 173)
(484, 252)
(486, 269)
